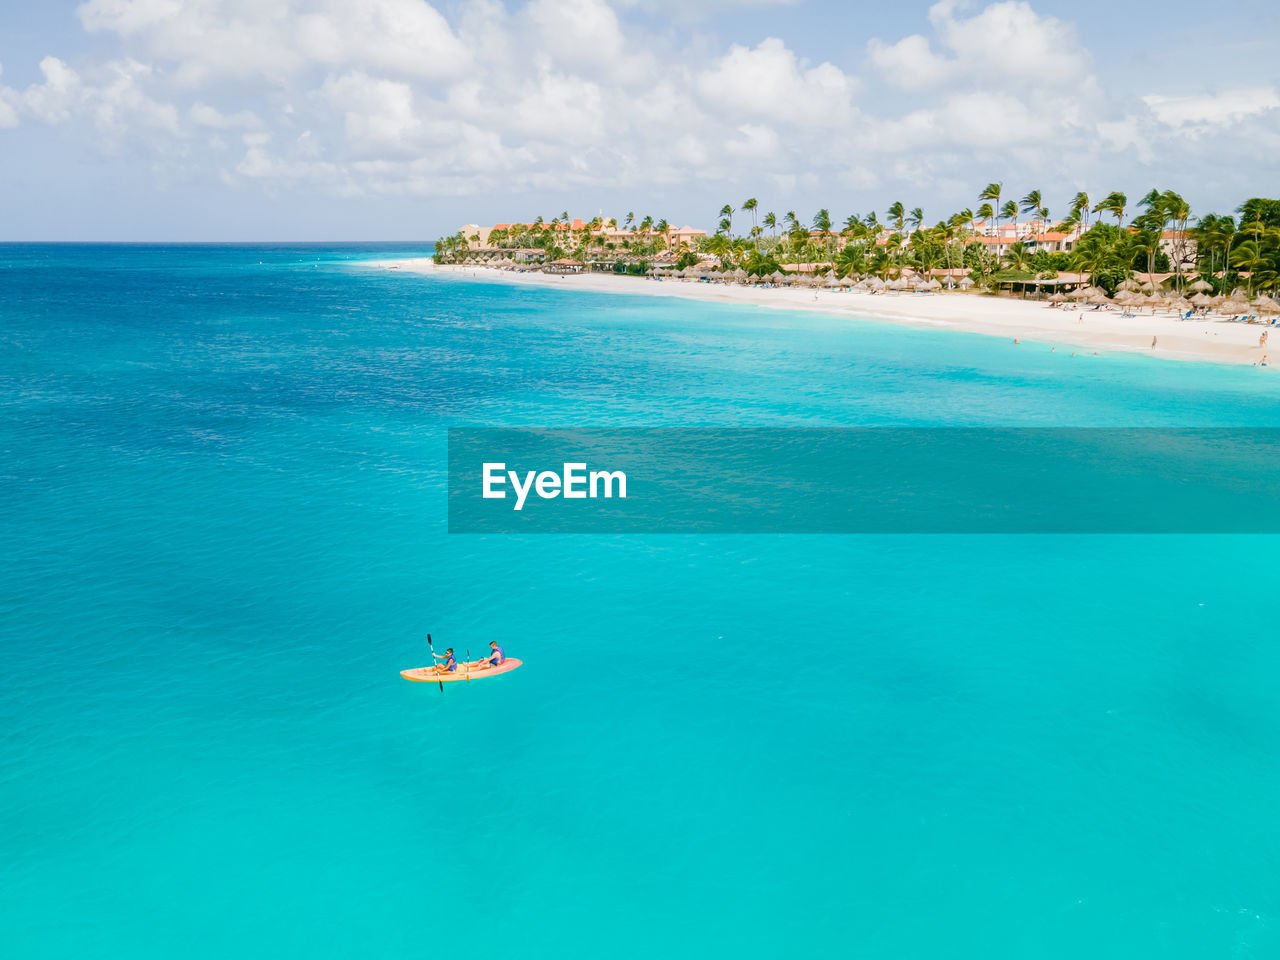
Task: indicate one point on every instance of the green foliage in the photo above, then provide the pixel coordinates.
(761, 264)
(1258, 208)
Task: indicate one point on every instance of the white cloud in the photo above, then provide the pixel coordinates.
(1007, 42)
(350, 97)
(400, 36)
(377, 114)
(771, 81)
(53, 100)
(1219, 110)
(8, 105)
(910, 63)
(203, 115)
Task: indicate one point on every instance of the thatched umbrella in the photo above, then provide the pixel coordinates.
(1200, 286)
(1127, 297)
(739, 274)
(934, 285)
(1233, 306)
(1088, 293)
(777, 276)
(1058, 297)
(965, 283)
(1200, 300)
(833, 280)
(1129, 286)
(1266, 305)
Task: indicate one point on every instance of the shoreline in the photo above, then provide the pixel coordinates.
(1212, 340)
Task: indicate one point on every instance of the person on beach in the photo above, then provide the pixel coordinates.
(1262, 340)
(1153, 343)
(448, 662)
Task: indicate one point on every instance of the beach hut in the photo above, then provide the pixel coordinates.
(934, 285)
(966, 283)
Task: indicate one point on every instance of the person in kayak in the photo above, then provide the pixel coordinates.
(448, 663)
(496, 656)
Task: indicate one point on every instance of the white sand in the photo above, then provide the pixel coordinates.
(1214, 340)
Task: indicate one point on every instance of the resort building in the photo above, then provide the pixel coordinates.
(478, 237)
(1180, 247)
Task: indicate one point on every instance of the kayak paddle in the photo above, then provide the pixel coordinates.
(433, 657)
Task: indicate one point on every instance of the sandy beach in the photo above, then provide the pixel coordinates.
(1214, 340)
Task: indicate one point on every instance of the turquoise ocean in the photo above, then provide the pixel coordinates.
(223, 534)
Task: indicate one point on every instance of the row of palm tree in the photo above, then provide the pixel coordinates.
(1159, 237)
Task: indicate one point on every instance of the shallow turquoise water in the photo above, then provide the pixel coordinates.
(222, 536)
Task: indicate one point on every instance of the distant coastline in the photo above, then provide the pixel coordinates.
(1076, 328)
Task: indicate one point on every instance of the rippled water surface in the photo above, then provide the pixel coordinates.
(222, 534)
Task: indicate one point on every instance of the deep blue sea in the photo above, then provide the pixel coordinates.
(223, 534)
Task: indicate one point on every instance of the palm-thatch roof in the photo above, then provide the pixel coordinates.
(1200, 286)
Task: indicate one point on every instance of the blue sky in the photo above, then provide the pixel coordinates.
(399, 119)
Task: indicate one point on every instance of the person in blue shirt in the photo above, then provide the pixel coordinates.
(448, 663)
(495, 658)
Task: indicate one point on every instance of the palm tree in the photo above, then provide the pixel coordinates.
(986, 213)
(719, 245)
(1249, 255)
(1032, 203)
(1018, 257)
(916, 218)
(1080, 208)
(771, 221)
(1215, 233)
(726, 212)
(1113, 203)
(992, 192)
(751, 204)
(1010, 212)
(897, 214)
